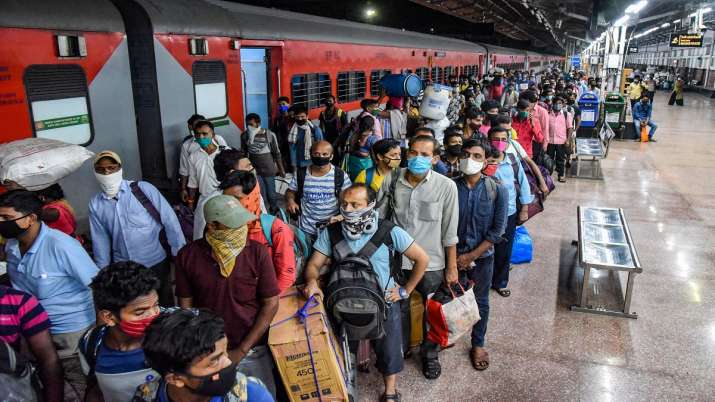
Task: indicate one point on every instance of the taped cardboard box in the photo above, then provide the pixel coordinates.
(289, 344)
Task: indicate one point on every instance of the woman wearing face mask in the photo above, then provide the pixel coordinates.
(57, 213)
(360, 144)
(387, 156)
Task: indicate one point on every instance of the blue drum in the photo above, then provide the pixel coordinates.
(401, 84)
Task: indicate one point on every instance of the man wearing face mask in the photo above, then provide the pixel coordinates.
(360, 223)
(202, 179)
(538, 114)
(132, 221)
(314, 190)
(188, 348)
(491, 108)
(473, 119)
(528, 129)
(303, 134)
(243, 186)
(425, 204)
(332, 120)
(125, 296)
(233, 276)
(483, 207)
(189, 146)
(514, 148)
(560, 129)
(54, 268)
(636, 89)
(265, 155)
(510, 96)
(452, 151)
(511, 175)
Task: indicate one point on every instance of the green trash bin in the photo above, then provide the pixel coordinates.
(615, 111)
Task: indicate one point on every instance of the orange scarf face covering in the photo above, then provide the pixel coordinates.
(252, 203)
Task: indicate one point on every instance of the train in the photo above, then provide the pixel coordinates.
(125, 75)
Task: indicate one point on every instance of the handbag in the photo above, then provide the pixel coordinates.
(451, 314)
(543, 159)
(523, 249)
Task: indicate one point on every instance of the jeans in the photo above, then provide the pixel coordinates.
(502, 255)
(557, 152)
(481, 275)
(258, 363)
(268, 191)
(653, 127)
(430, 282)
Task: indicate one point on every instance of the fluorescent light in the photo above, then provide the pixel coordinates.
(676, 21)
(635, 8)
(665, 25)
(621, 21)
(707, 10)
(370, 12)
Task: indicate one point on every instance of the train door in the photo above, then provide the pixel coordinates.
(254, 69)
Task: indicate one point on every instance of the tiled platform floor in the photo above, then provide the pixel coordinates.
(541, 351)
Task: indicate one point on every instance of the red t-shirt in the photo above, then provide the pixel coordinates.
(282, 253)
(236, 299)
(65, 223)
(527, 134)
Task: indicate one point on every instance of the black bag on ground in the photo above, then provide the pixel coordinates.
(353, 295)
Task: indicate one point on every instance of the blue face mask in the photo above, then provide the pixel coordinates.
(283, 108)
(203, 142)
(419, 165)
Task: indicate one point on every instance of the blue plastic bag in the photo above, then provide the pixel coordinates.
(523, 248)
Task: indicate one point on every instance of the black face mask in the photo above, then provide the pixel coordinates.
(10, 229)
(492, 119)
(301, 122)
(319, 160)
(220, 387)
(454, 150)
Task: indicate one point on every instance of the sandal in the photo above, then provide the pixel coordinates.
(391, 397)
(431, 369)
(503, 292)
(479, 362)
(562, 179)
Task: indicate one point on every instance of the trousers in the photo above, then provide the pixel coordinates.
(430, 282)
(502, 255)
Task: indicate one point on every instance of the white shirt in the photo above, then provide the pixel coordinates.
(201, 171)
(190, 146)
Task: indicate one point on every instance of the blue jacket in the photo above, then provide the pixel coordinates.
(642, 112)
(480, 217)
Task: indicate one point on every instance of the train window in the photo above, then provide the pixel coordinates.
(58, 103)
(375, 77)
(351, 86)
(210, 89)
(310, 89)
(448, 71)
(198, 47)
(422, 72)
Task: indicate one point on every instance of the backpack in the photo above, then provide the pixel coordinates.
(353, 295)
(338, 179)
(301, 247)
(89, 349)
(536, 206)
(18, 380)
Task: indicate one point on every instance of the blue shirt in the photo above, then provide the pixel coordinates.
(380, 260)
(255, 390)
(505, 175)
(57, 271)
(297, 150)
(642, 112)
(480, 217)
(123, 230)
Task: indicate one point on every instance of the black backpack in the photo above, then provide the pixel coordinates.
(353, 295)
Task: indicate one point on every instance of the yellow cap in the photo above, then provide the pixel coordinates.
(107, 154)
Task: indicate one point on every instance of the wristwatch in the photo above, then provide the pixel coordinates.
(403, 293)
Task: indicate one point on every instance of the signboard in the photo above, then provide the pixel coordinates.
(576, 61)
(632, 49)
(686, 40)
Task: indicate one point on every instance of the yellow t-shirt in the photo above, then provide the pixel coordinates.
(377, 179)
(635, 90)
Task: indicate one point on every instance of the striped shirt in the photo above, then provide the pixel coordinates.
(20, 315)
(318, 203)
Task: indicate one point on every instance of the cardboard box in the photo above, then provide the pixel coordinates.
(289, 344)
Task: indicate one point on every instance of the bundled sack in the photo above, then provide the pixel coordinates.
(37, 163)
(450, 314)
(523, 249)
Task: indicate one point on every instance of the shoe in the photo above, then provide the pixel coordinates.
(562, 179)
(652, 140)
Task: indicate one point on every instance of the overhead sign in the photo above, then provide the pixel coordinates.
(632, 49)
(576, 61)
(686, 40)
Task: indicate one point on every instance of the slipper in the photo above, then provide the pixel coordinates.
(431, 369)
(504, 292)
(391, 397)
(479, 362)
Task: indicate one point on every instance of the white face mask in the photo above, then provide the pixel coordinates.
(110, 183)
(470, 167)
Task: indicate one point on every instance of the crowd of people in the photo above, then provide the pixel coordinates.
(152, 306)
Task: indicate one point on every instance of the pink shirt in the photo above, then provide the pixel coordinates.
(542, 115)
(377, 128)
(559, 124)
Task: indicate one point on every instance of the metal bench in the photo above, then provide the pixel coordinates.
(605, 243)
(591, 151)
